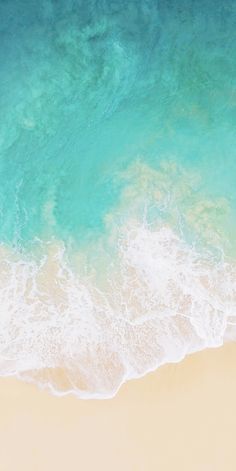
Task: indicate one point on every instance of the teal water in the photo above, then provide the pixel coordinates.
(113, 115)
(87, 87)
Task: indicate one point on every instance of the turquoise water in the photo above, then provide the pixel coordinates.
(114, 115)
(86, 87)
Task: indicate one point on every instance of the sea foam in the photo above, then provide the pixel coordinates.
(145, 293)
(135, 261)
(161, 300)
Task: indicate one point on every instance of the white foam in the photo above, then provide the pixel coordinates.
(159, 301)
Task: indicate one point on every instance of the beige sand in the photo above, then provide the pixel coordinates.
(183, 417)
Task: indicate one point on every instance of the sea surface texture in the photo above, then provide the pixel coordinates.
(117, 187)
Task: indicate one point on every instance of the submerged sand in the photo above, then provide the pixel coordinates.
(182, 417)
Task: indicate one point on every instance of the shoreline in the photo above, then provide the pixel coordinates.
(182, 417)
(48, 388)
(163, 301)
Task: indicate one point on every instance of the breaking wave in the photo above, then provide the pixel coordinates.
(150, 298)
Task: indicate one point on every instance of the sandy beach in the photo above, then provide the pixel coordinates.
(182, 417)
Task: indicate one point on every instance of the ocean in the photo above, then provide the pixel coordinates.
(117, 188)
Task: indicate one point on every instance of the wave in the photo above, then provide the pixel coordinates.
(144, 294)
(69, 333)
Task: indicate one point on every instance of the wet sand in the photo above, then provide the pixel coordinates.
(182, 417)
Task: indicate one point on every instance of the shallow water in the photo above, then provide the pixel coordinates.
(117, 187)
